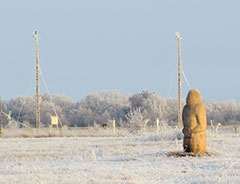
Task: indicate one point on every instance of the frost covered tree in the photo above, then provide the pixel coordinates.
(99, 107)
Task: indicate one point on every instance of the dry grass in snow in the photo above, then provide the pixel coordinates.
(136, 159)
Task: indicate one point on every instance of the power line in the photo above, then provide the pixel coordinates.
(28, 90)
(171, 83)
(46, 87)
(185, 78)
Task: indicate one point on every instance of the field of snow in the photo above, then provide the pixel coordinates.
(122, 158)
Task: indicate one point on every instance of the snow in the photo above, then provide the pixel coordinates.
(125, 158)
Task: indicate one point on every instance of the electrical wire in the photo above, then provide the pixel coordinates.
(171, 83)
(28, 90)
(46, 87)
(184, 76)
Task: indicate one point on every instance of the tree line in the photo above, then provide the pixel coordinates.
(98, 108)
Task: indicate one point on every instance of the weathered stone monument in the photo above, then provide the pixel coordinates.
(194, 123)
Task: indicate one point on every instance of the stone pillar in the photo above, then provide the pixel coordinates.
(194, 123)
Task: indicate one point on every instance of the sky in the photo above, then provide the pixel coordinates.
(124, 45)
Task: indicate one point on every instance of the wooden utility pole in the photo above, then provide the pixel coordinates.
(1, 122)
(179, 81)
(37, 83)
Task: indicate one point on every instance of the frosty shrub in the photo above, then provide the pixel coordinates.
(135, 120)
(13, 124)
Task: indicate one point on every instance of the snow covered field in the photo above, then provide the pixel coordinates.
(121, 159)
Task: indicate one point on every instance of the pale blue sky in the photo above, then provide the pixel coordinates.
(124, 45)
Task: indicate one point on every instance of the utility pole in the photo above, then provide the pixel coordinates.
(179, 82)
(37, 83)
(1, 122)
